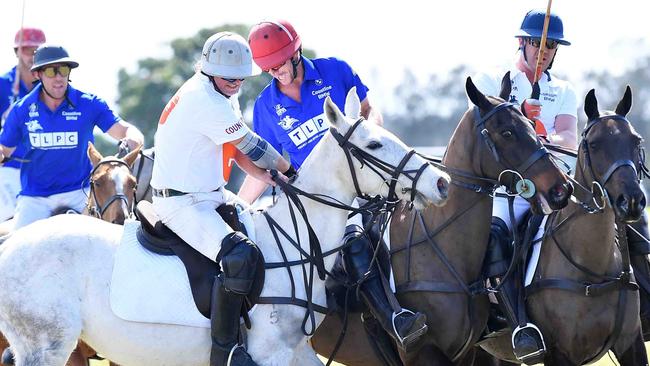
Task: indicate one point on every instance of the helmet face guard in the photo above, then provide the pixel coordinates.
(227, 55)
(50, 54)
(533, 26)
(273, 43)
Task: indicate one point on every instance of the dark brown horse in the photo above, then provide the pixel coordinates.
(583, 296)
(437, 254)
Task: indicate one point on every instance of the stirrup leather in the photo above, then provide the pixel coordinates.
(414, 335)
(537, 353)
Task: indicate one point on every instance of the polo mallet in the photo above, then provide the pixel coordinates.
(540, 55)
(15, 88)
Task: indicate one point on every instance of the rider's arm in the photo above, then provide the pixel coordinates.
(124, 130)
(5, 151)
(260, 152)
(371, 113)
(566, 127)
(251, 189)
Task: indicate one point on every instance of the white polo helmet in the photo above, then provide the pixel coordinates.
(228, 55)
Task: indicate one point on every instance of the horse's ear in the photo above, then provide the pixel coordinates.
(94, 155)
(353, 104)
(591, 106)
(333, 113)
(129, 159)
(625, 104)
(506, 87)
(476, 96)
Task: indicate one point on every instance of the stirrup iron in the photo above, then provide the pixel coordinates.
(532, 355)
(404, 342)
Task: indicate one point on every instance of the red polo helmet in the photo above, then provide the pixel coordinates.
(273, 43)
(31, 37)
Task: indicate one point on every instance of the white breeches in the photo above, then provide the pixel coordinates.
(30, 209)
(9, 189)
(194, 218)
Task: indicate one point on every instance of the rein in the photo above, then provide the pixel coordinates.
(485, 187)
(608, 283)
(375, 206)
(96, 210)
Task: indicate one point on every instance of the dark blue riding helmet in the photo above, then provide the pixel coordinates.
(47, 54)
(533, 26)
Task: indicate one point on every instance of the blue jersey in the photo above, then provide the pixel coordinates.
(297, 127)
(6, 99)
(56, 141)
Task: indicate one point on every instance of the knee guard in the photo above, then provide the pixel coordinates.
(239, 259)
(357, 257)
(499, 250)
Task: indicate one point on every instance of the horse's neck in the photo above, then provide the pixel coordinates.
(327, 177)
(462, 156)
(589, 239)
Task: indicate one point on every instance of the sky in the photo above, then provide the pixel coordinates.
(379, 39)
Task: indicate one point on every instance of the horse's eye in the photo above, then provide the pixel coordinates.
(374, 145)
(506, 134)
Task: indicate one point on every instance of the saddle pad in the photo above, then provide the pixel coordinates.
(151, 288)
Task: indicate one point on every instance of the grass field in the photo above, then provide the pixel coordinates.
(605, 361)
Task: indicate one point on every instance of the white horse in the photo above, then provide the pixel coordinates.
(55, 274)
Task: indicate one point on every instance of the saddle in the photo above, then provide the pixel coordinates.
(526, 230)
(154, 236)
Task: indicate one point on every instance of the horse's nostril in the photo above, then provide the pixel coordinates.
(443, 186)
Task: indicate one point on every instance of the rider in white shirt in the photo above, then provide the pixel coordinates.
(200, 131)
(555, 117)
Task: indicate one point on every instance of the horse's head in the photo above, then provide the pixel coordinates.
(379, 162)
(112, 186)
(510, 151)
(611, 154)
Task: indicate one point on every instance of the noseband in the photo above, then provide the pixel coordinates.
(97, 210)
(378, 165)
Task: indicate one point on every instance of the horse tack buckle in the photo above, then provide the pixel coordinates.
(588, 290)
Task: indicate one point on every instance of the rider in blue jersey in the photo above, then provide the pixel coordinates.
(289, 115)
(15, 84)
(55, 123)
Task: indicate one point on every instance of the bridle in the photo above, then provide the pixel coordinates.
(94, 209)
(377, 165)
(584, 146)
(484, 133)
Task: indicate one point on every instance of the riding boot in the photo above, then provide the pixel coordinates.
(224, 321)
(637, 238)
(527, 341)
(239, 259)
(405, 326)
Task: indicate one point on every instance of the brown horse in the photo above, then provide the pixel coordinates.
(583, 296)
(111, 195)
(437, 254)
(112, 186)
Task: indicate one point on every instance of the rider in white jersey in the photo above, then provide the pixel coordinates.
(200, 132)
(555, 115)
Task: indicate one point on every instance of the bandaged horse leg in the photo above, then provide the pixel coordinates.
(238, 258)
(637, 239)
(405, 326)
(527, 342)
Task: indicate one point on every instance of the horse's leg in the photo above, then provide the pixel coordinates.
(483, 358)
(305, 355)
(78, 358)
(635, 355)
(426, 355)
